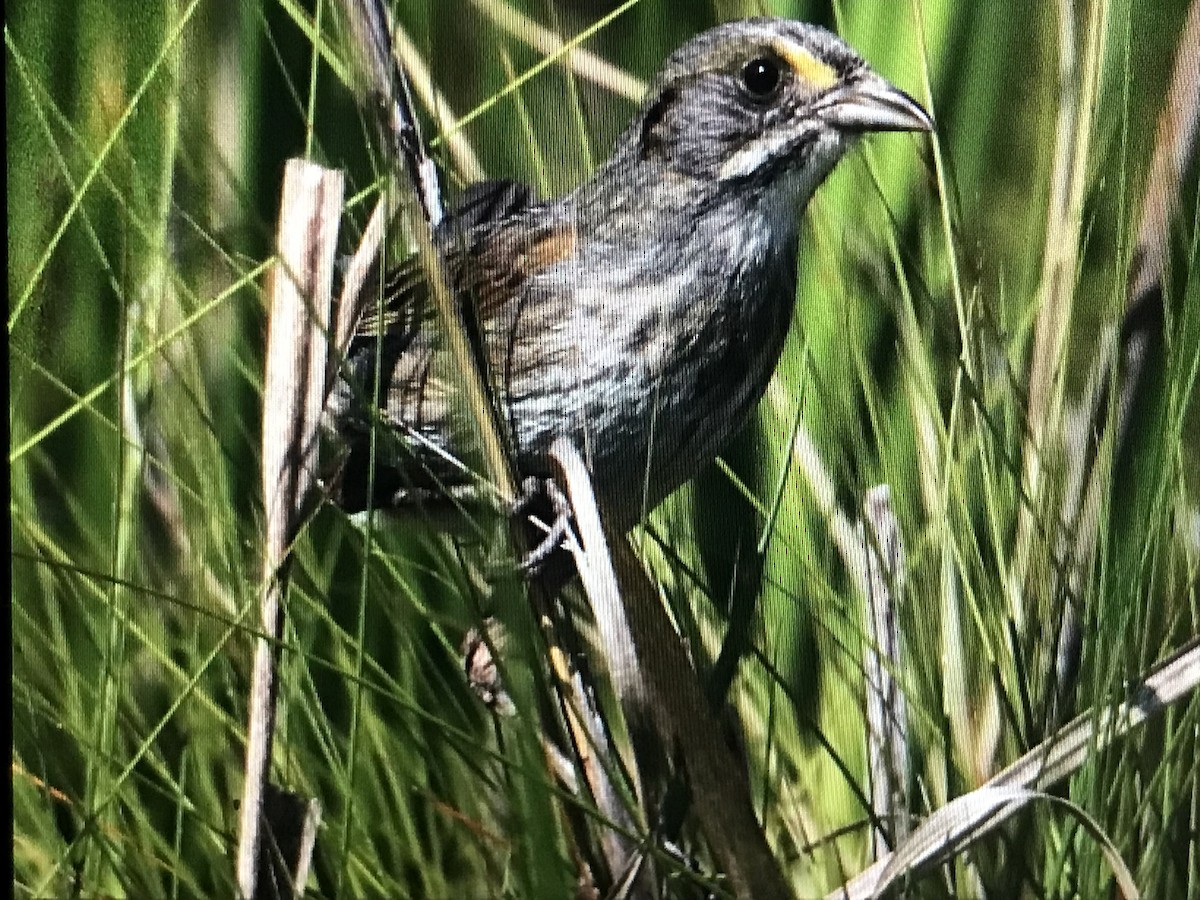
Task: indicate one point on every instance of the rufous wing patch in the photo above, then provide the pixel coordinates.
(549, 248)
(513, 257)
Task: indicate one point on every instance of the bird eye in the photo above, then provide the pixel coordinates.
(760, 77)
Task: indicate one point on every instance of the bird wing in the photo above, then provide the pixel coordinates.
(491, 242)
(491, 246)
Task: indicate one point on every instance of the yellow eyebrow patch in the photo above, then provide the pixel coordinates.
(821, 75)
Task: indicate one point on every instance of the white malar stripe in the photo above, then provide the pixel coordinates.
(749, 159)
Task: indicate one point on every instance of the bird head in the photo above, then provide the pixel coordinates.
(754, 100)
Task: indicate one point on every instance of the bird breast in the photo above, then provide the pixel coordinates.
(652, 352)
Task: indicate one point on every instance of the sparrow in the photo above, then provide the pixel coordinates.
(641, 315)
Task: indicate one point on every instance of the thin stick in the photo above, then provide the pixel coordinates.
(674, 699)
(353, 299)
(293, 396)
(882, 555)
(594, 563)
(388, 91)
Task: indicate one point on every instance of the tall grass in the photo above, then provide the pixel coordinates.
(956, 312)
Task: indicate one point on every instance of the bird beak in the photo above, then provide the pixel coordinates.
(869, 103)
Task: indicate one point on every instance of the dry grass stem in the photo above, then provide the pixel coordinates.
(293, 398)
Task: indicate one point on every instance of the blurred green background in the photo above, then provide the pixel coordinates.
(146, 144)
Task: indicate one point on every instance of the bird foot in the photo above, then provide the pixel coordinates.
(538, 497)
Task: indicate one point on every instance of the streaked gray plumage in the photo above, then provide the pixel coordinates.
(643, 314)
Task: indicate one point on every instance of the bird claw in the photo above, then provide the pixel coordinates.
(535, 493)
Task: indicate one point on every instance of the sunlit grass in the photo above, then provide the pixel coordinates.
(144, 167)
